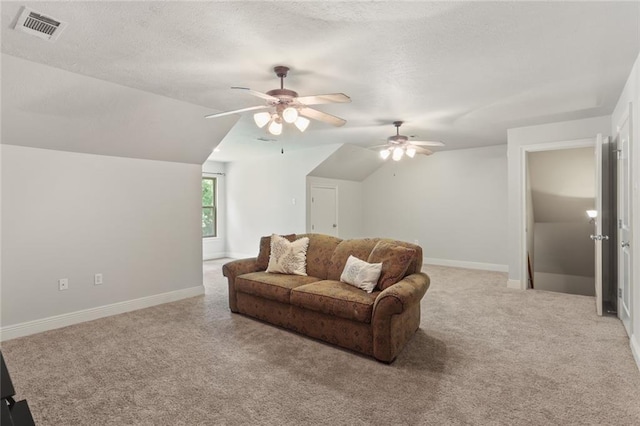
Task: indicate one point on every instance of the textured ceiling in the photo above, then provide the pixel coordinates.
(460, 72)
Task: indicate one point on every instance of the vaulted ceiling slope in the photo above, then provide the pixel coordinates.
(50, 108)
(460, 72)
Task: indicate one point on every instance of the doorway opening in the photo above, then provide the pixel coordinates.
(560, 191)
(568, 251)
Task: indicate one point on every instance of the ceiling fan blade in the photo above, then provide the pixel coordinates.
(423, 151)
(257, 94)
(329, 98)
(426, 143)
(322, 116)
(222, 114)
(377, 147)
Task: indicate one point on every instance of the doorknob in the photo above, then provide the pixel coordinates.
(599, 237)
(625, 244)
(335, 226)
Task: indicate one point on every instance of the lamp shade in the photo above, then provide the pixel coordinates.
(275, 128)
(384, 154)
(411, 152)
(592, 213)
(290, 114)
(261, 118)
(302, 123)
(397, 154)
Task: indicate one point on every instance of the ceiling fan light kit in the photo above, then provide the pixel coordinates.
(275, 128)
(261, 118)
(286, 106)
(398, 146)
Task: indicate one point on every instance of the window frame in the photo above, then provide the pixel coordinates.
(213, 207)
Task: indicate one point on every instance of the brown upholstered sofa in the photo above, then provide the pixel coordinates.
(377, 324)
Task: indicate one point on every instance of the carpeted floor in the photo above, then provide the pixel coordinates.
(484, 355)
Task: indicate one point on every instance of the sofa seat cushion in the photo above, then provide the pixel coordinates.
(335, 298)
(271, 286)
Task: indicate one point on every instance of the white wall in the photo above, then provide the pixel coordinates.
(518, 139)
(216, 247)
(564, 283)
(350, 215)
(268, 195)
(631, 93)
(565, 258)
(71, 215)
(453, 202)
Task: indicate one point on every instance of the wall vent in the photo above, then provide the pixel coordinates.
(39, 25)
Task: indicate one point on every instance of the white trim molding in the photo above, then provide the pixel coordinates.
(240, 255)
(466, 264)
(514, 284)
(216, 255)
(635, 348)
(71, 318)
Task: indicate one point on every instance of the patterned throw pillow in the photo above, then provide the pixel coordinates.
(361, 274)
(288, 257)
(265, 250)
(395, 262)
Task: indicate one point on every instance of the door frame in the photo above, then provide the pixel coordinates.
(626, 118)
(522, 222)
(310, 203)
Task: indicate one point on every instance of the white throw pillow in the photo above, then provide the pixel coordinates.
(361, 274)
(288, 257)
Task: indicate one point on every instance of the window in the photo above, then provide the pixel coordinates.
(209, 223)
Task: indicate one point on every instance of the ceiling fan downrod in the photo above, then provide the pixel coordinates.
(281, 71)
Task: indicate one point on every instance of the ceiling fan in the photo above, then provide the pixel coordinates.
(399, 145)
(286, 106)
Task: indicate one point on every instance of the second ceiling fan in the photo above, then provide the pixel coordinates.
(398, 146)
(287, 107)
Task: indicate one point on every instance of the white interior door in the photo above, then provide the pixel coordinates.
(624, 226)
(597, 238)
(324, 210)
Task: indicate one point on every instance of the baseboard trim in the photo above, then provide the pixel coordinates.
(465, 264)
(58, 321)
(514, 284)
(240, 255)
(215, 255)
(635, 348)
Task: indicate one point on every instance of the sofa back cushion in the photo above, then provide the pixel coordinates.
(416, 263)
(360, 248)
(395, 260)
(265, 250)
(319, 252)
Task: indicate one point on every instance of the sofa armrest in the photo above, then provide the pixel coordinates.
(396, 315)
(235, 268)
(406, 292)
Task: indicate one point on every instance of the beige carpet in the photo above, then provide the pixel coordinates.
(484, 355)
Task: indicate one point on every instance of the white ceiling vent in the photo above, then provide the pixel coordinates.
(39, 25)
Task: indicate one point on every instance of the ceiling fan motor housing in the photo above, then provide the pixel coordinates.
(397, 139)
(284, 95)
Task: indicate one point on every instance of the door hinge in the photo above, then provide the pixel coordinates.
(618, 153)
(313, 200)
(313, 227)
(619, 223)
(620, 293)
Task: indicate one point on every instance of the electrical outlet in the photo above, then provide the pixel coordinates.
(63, 284)
(97, 279)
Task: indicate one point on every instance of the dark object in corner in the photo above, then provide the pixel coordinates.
(12, 413)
